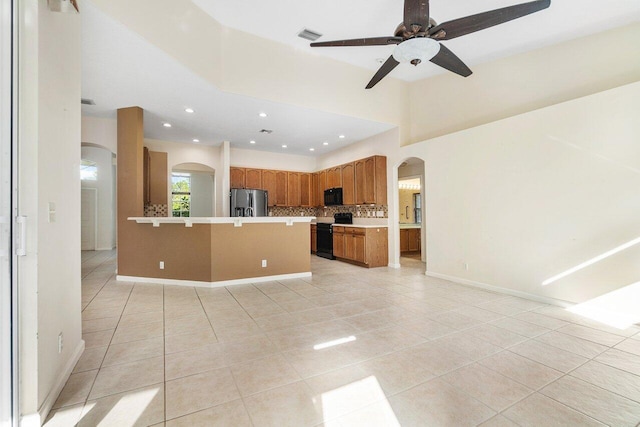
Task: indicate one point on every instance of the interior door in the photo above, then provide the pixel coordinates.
(88, 220)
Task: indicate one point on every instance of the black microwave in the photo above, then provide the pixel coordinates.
(333, 197)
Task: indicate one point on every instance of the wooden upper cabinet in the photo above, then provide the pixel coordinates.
(315, 199)
(155, 179)
(322, 185)
(306, 198)
(269, 184)
(293, 189)
(371, 180)
(348, 184)
(237, 177)
(253, 179)
(146, 178)
(334, 177)
(281, 188)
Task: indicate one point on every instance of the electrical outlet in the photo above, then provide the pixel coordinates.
(60, 343)
(161, 265)
(466, 266)
(380, 214)
(264, 263)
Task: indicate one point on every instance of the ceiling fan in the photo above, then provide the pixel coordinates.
(418, 36)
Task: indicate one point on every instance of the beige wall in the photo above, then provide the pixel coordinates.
(526, 198)
(525, 82)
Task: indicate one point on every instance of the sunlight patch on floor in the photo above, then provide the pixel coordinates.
(334, 343)
(359, 394)
(619, 309)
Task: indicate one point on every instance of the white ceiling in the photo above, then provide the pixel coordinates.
(281, 20)
(145, 76)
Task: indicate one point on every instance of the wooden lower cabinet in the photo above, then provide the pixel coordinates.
(410, 240)
(363, 246)
(314, 238)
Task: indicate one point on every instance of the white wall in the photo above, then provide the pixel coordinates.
(100, 131)
(178, 153)
(267, 160)
(526, 198)
(104, 185)
(49, 160)
(202, 191)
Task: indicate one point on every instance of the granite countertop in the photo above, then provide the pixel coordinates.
(403, 226)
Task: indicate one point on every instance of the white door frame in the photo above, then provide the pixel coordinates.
(8, 313)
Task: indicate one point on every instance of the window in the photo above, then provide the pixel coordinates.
(181, 194)
(88, 170)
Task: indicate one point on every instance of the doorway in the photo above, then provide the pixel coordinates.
(89, 219)
(411, 212)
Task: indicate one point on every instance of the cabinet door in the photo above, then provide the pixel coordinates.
(314, 190)
(404, 240)
(281, 188)
(322, 185)
(348, 184)
(338, 245)
(293, 189)
(305, 190)
(360, 181)
(269, 184)
(349, 248)
(237, 177)
(380, 180)
(146, 179)
(359, 248)
(414, 239)
(370, 180)
(253, 179)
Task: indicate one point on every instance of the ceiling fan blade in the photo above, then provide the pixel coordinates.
(416, 12)
(372, 41)
(448, 60)
(386, 68)
(470, 24)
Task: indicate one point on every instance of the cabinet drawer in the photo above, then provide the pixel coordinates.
(338, 229)
(352, 230)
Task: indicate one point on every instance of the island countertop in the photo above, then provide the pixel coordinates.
(236, 221)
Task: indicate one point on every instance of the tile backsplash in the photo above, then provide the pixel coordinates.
(362, 211)
(156, 210)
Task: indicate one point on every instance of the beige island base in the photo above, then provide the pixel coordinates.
(214, 252)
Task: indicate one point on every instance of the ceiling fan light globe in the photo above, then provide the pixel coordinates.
(419, 49)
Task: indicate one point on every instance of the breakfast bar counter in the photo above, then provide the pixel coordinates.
(216, 251)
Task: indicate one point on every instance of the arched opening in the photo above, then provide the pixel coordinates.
(193, 190)
(98, 198)
(411, 212)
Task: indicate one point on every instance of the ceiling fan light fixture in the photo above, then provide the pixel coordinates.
(416, 50)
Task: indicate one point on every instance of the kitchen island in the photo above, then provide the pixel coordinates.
(216, 251)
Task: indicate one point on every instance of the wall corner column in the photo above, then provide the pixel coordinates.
(130, 189)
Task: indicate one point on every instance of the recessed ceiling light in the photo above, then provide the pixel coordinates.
(341, 137)
(312, 149)
(284, 146)
(263, 114)
(196, 140)
(252, 142)
(325, 143)
(189, 110)
(167, 125)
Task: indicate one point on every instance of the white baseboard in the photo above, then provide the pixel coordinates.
(394, 265)
(218, 284)
(62, 379)
(104, 249)
(507, 291)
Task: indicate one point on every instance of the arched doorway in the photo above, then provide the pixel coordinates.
(98, 197)
(411, 212)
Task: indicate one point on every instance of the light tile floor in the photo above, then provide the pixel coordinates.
(347, 347)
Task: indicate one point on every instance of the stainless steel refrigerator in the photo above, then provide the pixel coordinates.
(248, 202)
